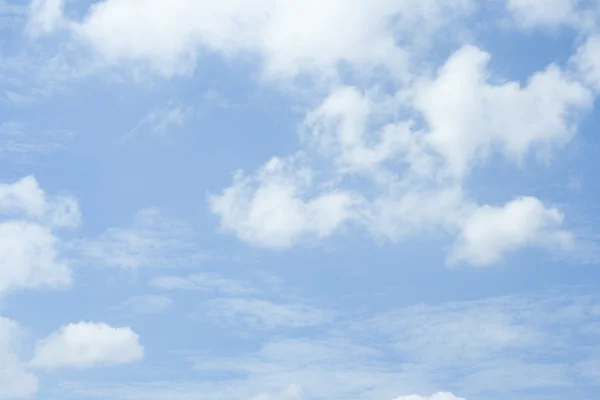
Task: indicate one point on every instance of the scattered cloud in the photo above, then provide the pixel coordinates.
(291, 199)
(86, 344)
(490, 232)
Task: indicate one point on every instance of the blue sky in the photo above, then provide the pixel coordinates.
(282, 200)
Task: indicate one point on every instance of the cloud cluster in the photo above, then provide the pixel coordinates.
(31, 258)
(411, 151)
(417, 173)
(365, 33)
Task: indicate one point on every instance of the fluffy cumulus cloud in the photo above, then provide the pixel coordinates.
(30, 254)
(292, 198)
(490, 232)
(364, 33)
(271, 208)
(86, 344)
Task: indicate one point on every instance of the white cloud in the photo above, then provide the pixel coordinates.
(45, 16)
(152, 240)
(544, 13)
(29, 249)
(362, 35)
(204, 282)
(520, 347)
(25, 198)
(147, 304)
(415, 176)
(502, 118)
(587, 61)
(86, 344)
(437, 396)
(15, 380)
(271, 209)
(263, 313)
(29, 257)
(490, 232)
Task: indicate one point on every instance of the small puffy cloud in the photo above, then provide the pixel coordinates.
(437, 396)
(272, 208)
(15, 380)
(488, 118)
(29, 248)
(26, 199)
(490, 232)
(87, 344)
(29, 257)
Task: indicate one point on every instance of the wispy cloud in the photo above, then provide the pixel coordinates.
(161, 120)
(259, 313)
(204, 282)
(147, 304)
(152, 240)
(22, 143)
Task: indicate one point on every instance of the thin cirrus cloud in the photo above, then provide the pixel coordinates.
(160, 120)
(204, 282)
(265, 314)
(151, 240)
